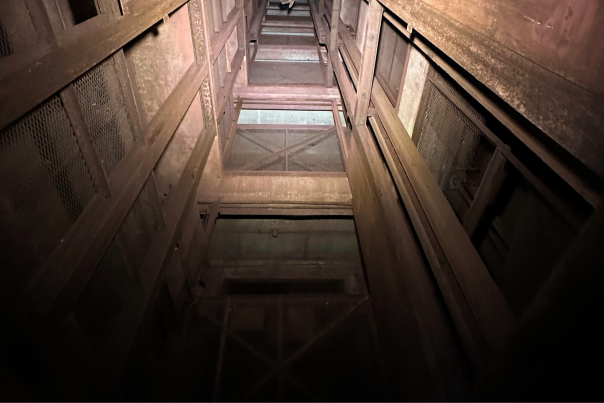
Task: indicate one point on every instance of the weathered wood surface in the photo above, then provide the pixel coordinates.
(548, 68)
(373, 23)
(24, 89)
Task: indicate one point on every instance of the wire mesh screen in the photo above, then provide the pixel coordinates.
(44, 178)
(448, 142)
(102, 101)
(441, 79)
(141, 224)
(5, 48)
(101, 302)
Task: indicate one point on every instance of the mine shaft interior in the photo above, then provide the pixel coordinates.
(309, 200)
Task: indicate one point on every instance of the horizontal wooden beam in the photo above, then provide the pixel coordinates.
(469, 333)
(280, 187)
(287, 23)
(348, 92)
(278, 210)
(223, 36)
(284, 93)
(22, 90)
(484, 297)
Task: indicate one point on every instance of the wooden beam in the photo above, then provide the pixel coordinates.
(26, 88)
(288, 23)
(316, 18)
(333, 40)
(348, 93)
(487, 191)
(373, 25)
(469, 333)
(57, 286)
(229, 82)
(84, 139)
(219, 41)
(232, 131)
(287, 93)
(340, 129)
(411, 374)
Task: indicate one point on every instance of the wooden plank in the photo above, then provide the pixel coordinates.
(488, 305)
(55, 289)
(127, 83)
(368, 56)
(332, 48)
(346, 86)
(288, 23)
(286, 93)
(487, 191)
(340, 129)
(354, 75)
(84, 139)
(278, 211)
(284, 126)
(24, 89)
(467, 329)
(410, 374)
(316, 18)
(220, 40)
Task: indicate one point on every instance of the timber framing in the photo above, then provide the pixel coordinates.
(77, 256)
(22, 90)
(477, 306)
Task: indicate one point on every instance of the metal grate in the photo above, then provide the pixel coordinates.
(101, 302)
(141, 224)
(5, 48)
(43, 176)
(441, 79)
(448, 142)
(102, 101)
